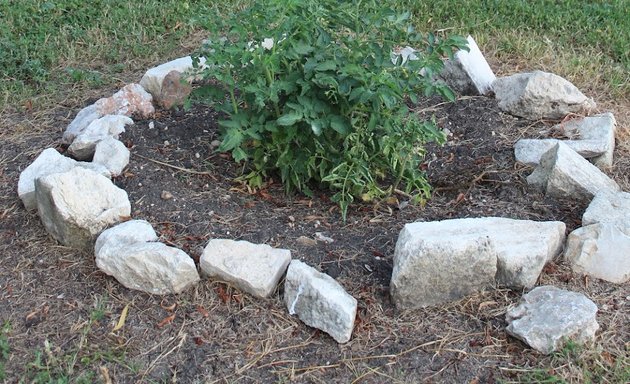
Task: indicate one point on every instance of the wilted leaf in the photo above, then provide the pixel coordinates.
(122, 319)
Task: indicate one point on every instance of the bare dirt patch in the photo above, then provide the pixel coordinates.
(60, 309)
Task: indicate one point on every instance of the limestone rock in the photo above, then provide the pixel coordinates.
(563, 173)
(149, 267)
(84, 144)
(112, 154)
(129, 232)
(607, 207)
(253, 268)
(153, 79)
(601, 250)
(547, 316)
(540, 95)
(530, 151)
(80, 122)
(48, 162)
(469, 73)
(132, 99)
(76, 205)
(319, 301)
(596, 131)
(439, 262)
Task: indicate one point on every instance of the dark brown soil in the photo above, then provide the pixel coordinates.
(57, 305)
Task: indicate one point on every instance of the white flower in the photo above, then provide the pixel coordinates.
(267, 43)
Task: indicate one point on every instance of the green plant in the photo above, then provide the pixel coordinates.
(315, 94)
(4, 347)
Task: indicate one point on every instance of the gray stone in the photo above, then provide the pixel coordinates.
(596, 131)
(153, 79)
(77, 205)
(469, 73)
(149, 267)
(80, 122)
(530, 151)
(564, 173)
(129, 232)
(607, 207)
(601, 250)
(253, 268)
(130, 100)
(548, 316)
(112, 154)
(48, 162)
(540, 95)
(442, 261)
(84, 144)
(319, 301)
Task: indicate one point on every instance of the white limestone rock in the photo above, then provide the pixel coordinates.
(469, 73)
(564, 173)
(547, 316)
(83, 146)
(442, 261)
(77, 205)
(153, 79)
(129, 232)
(319, 301)
(48, 162)
(601, 250)
(150, 267)
(253, 268)
(597, 132)
(607, 207)
(80, 122)
(540, 95)
(112, 154)
(530, 151)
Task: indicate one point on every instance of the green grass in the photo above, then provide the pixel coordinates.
(49, 45)
(4, 348)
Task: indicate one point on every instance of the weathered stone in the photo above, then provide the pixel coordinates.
(404, 54)
(601, 250)
(149, 267)
(442, 261)
(253, 268)
(129, 232)
(48, 162)
(153, 79)
(319, 301)
(432, 259)
(80, 122)
(607, 207)
(76, 205)
(548, 316)
(175, 90)
(596, 131)
(132, 99)
(469, 73)
(564, 173)
(530, 151)
(112, 154)
(540, 95)
(83, 146)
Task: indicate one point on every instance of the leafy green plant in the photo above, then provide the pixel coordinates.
(314, 94)
(4, 347)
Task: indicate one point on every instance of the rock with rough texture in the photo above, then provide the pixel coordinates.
(607, 207)
(80, 122)
(112, 154)
(77, 205)
(469, 73)
(48, 162)
(319, 301)
(596, 131)
(540, 95)
(153, 79)
(547, 316)
(432, 259)
(530, 151)
(442, 261)
(253, 268)
(175, 90)
(601, 250)
(149, 267)
(564, 173)
(84, 144)
(129, 232)
(132, 99)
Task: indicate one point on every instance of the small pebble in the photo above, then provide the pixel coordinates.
(166, 195)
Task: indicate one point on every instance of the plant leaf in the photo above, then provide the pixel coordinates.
(122, 319)
(289, 119)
